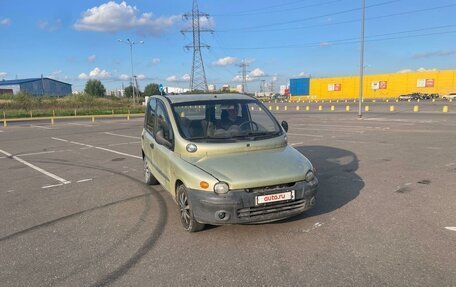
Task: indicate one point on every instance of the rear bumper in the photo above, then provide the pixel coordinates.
(238, 206)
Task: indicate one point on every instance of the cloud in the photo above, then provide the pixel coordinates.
(253, 75)
(325, 44)
(55, 74)
(274, 78)
(83, 76)
(418, 70)
(432, 54)
(5, 22)
(304, 74)
(155, 61)
(3, 75)
(140, 77)
(256, 73)
(225, 61)
(124, 77)
(92, 58)
(96, 73)
(50, 27)
(426, 70)
(174, 78)
(113, 17)
(207, 23)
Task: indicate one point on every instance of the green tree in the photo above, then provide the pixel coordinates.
(129, 92)
(151, 89)
(95, 88)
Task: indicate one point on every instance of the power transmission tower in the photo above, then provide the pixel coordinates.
(198, 79)
(244, 66)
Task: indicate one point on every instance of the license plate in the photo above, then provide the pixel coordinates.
(262, 199)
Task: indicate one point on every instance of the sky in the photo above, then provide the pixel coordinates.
(73, 41)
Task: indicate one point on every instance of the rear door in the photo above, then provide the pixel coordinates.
(148, 133)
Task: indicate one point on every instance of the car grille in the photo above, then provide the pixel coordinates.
(251, 212)
(269, 188)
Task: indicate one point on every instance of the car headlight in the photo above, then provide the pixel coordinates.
(310, 176)
(221, 187)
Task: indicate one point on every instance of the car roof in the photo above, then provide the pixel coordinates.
(175, 99)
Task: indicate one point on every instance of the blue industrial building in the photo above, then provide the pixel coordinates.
(36, 87)
(299, 87)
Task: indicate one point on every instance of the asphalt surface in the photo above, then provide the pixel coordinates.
(75, 212)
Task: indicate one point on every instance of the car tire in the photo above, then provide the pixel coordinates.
(185, 211)
(149, 179)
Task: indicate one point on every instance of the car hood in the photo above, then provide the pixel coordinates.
(257, 168)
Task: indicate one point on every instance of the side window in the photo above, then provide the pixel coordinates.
(163, 127)
(151, 115)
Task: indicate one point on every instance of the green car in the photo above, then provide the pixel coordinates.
(225, 160)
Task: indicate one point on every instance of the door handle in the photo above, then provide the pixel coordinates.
(151, 145)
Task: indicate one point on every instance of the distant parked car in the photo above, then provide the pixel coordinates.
(405, 97)
(450, 96)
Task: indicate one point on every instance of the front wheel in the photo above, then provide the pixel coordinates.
(186, 214)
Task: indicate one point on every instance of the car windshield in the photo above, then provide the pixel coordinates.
(225, 120)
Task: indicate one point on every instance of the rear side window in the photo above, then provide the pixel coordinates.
(151, 115)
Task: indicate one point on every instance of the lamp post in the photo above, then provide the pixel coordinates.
(131, 43)
(361, 64)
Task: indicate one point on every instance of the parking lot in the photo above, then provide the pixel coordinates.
(75, 210)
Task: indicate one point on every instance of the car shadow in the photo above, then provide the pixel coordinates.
(338, 181)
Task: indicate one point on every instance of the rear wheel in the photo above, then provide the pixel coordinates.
(149, 179)
(186, 214)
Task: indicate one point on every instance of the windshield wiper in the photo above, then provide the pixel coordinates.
(255, 136)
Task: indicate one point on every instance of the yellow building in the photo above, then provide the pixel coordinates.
(380, 86)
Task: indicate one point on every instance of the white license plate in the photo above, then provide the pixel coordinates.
(262, 199)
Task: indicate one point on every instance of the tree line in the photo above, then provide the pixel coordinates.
(96, 88)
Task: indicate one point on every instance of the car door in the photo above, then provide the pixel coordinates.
(148, 140)
(163, 151)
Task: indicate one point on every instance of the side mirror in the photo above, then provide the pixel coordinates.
(285, 126)
(159, 137)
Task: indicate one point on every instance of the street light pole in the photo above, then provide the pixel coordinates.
(131, 43)
(361, 65)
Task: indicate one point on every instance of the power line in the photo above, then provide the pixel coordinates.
(281, 10)
(260, 9)
(347, 21)
(333, 42)
(313, 17)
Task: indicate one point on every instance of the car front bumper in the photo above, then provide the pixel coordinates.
(239, 206)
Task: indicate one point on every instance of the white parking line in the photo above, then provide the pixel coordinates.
(62, 140)
(125, 136)
(41, 127)
(86, 145)
(35, 153)
(452, 228)
(100, 148)
(305, 135)
(116, 144)
(52, 185)
(84, 180)
(63, 181)
(82, 125)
